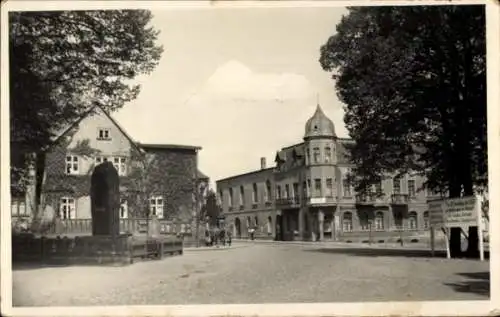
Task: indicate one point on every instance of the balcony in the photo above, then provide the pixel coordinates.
(366, 199)
(321, 200)
(288, 202)
(400, 199)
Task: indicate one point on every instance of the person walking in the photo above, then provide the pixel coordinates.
(229, 238)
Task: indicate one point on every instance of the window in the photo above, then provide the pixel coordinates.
(295, 190)
(120, 165)
(317, 187)
(378, 187)
(123, 209)
(221, 197)
(242, 196)
(328, 154)
(249, 222)
(230, 197)
(267, 192)
(255, 196)
(256, 221)
(426, 220)
(156, 206)
(412, 220)
(287, 191)
(269, 225)
(379, 221)
(329, 187)
(278, 192)
(363, 221)
(347, 222)
(308, 188)
(347, 187)
(411, 188)
(308, 156)
(18, 207)
(398, 220)
(396, 185)
(67, 208)
(316, 154)
(104, 134)
(71, 164)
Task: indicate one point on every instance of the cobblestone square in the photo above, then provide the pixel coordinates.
(250, 273)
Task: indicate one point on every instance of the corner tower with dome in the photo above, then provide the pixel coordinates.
(305, 195)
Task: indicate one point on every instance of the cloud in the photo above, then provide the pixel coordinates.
(235, 81)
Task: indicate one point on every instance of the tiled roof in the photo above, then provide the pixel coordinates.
(168, 146)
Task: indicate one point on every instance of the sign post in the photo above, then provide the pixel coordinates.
(446, 232)
(479, 203)
(433, 244)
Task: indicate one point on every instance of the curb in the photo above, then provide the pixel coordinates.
(202, 249)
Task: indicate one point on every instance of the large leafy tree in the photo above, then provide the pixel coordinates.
(63, 62)
(211, 210)
(413, 82)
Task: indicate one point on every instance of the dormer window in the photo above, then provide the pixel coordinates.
(104, 134)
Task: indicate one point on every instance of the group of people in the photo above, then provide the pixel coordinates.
(218, 237)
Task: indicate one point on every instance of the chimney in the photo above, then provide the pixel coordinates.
(262, 163)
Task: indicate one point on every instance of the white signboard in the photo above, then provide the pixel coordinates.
(461, 212)
(318, 200)
(454, 212)
(436, 214)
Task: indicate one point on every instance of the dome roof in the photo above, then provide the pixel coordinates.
(319, 125)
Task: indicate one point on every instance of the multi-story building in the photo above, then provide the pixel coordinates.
(168, 174)
(307, 195)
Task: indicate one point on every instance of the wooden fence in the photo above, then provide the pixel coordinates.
(133, 225)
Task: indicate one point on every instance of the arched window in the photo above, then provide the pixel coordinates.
(426, 220)
(379, 221)
(255, 194)
(347, 222)
(412, 220)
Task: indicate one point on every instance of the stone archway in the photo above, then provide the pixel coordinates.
(237, 228)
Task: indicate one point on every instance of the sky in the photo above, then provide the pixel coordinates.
(240, 83)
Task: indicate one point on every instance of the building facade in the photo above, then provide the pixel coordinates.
(167, 174)
(307, 196)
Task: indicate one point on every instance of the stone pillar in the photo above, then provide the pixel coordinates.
(334, 226)
(390, 220)
(321, 219)
(312, 227)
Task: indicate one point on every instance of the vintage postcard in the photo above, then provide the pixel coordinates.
(233, 158)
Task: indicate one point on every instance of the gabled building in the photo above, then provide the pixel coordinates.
(307, 195)
(167, 174)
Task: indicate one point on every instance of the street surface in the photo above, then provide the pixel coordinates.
(250, 273)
